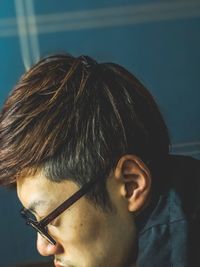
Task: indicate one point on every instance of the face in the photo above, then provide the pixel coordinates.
(85, 235)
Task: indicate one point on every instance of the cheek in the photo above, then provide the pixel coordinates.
(81, 226)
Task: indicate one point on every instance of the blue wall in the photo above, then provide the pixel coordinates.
(158, 41)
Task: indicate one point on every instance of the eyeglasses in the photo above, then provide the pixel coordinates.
(41, 226)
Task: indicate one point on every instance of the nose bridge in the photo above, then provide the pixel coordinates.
(44, 247)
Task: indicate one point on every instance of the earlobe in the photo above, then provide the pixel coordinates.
(135, 182)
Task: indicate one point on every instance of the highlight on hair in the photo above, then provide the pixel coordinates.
(73, 118)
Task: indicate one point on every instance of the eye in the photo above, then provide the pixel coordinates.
(31, 216)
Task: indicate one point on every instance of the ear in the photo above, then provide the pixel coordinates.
(135, 182)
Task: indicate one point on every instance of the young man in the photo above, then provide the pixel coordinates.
(89, 152)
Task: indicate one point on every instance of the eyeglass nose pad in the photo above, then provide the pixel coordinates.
(41, 230)
(44, 233)
(48, 237)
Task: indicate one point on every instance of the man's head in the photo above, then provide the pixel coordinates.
(70, 121)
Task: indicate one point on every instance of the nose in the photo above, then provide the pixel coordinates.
(47, 249)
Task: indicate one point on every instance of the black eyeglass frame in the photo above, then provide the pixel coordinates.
(41, 226)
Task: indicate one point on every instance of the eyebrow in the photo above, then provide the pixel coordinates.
(33, 206)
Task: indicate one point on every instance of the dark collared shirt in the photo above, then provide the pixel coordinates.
(169, 229)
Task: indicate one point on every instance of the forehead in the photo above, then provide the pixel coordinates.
(37, 187)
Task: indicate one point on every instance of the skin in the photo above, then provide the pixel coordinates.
(86, 236)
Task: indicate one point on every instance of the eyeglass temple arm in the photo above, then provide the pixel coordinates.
(66, 204)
